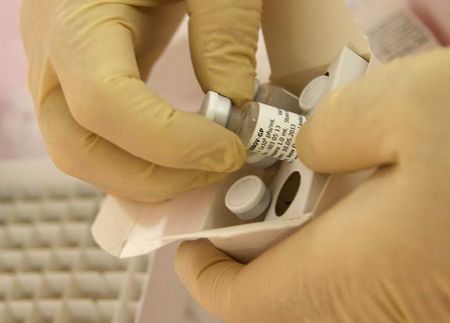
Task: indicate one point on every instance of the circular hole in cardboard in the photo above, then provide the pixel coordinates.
(287, 193)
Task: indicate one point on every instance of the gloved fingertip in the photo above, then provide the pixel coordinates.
(240, 154)
(244, 94)
(239, 100)
(184, 245)
(239, 89)
(303, 144)
(181, 258)
(231, 158)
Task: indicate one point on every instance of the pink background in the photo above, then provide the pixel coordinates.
(19, 134)
(11, 55)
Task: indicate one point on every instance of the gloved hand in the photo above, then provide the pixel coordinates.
(380, 254)
(101, 123)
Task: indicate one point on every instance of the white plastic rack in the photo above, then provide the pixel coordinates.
(51, 270)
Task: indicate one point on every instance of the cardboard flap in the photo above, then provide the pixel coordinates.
(249, 241)
(127, 228)
(243, 242)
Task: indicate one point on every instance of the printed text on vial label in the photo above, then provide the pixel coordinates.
(275, 133)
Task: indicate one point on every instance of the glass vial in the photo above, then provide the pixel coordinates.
(262, 128)
(313, 92)
(277, 97)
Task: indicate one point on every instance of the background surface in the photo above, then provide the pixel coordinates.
(19, 134)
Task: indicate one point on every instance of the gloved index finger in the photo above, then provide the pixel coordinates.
(94, 58)
(223, 43)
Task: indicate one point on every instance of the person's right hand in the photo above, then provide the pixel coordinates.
(381, 253)
(100, 121)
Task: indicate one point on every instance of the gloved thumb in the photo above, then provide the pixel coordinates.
(208, 274)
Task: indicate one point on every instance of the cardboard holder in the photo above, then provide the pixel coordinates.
(126, 228)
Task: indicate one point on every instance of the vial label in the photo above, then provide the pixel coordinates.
(275, 133)
(398, 35)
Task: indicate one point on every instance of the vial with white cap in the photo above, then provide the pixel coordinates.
(248, 198)
(275, 96)
(346, 68)
(313, 93)
(263, 129)
(260, 161)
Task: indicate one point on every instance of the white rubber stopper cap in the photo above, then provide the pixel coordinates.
(248, 197)
(216, 108)
(313, 92)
